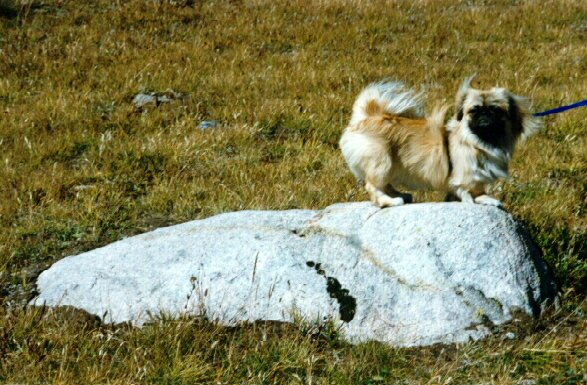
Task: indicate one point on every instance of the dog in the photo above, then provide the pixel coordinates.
(390, 142)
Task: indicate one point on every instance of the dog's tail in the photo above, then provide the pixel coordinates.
(387, 98)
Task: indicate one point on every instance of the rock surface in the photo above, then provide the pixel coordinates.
(411, 275)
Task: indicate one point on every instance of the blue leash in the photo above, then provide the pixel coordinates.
(561, 109)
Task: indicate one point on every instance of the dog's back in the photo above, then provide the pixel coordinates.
(388, 140)
(390, 98)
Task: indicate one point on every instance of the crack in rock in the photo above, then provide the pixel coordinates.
(364, 253)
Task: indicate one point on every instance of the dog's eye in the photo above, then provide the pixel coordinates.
(475, 110)
(497, 111)
(487, 111)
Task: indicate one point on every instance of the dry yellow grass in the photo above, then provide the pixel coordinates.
(80, 167)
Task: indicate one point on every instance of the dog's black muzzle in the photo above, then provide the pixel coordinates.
(488, 123)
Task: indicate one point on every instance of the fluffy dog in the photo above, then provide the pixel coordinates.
(389, 142)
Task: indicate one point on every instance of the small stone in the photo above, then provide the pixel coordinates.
(172, 95)
(163, 99)
(509, 336)
(206, 124)
(527, 381)
(142, 100)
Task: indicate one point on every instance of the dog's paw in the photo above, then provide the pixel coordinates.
(488, 201)
(463, 195)
(387, 201)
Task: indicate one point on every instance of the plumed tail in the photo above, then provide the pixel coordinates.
(387, 98)
(436, 122)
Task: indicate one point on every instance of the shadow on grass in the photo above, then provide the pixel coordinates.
(8, 10)
(565, 252)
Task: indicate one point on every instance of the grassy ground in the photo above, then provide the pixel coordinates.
(81, 167)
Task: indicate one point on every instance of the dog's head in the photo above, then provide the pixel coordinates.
(495, 117)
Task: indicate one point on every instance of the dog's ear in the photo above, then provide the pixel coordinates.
(461, 94)
(524, 124)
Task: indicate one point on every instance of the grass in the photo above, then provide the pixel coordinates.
(68, 347)
(81, 167)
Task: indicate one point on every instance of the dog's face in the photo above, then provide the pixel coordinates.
(495, 118)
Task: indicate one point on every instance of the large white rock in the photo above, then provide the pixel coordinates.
(411, 275)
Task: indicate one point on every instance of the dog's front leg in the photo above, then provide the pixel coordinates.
(463, 195)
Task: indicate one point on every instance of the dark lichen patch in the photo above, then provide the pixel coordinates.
(346, 302)
(298, 232)
(319, 270)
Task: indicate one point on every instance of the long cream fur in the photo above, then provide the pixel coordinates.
(389, 142)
